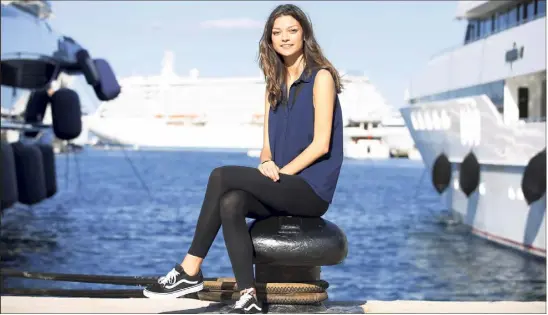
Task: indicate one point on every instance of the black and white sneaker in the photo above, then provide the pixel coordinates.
(175, 284)
(247, 304)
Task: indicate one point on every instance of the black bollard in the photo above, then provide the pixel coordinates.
(292, 250)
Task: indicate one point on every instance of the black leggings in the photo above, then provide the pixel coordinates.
(236, 192)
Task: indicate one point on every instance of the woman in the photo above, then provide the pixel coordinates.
(300, 160)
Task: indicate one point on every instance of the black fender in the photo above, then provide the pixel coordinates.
(36, 109)
(533, 181)
(441, 173)
(66, 114)
(10, 193)
(50, 175)
(469, 176)
(29, 168)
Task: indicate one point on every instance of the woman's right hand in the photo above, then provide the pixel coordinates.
(270, 169)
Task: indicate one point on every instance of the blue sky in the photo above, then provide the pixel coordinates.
(386, 40)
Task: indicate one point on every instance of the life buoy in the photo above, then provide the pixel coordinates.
(9, 178)
(31, 183)
(533, 182)
(441, 173)
(50, 176)
(469, 176)
(66, 114)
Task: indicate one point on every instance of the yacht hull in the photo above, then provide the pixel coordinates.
(496, 209)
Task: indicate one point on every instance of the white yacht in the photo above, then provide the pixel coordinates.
(39, 107)
(364, 108)
(212, 113)
(477, 116)
(397, 137)
(381, 135)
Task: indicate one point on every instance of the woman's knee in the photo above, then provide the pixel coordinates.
(232, 204)
(220, 172)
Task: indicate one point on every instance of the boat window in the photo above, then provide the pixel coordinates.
(470, 33)
(503, 21)
(530, 10)
(512, 17)
(525, 8)
(487, 27)
(541, 8)
(520, 13)
(523, 102)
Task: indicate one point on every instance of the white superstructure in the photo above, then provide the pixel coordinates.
(173, 111)
(483, 107)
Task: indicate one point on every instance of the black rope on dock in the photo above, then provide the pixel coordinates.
(104, 279)
(100, 293)
(215, 289)
(119, 280)
(74, 293)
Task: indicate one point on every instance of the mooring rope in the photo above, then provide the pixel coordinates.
(215, 289)
(119, 280)
(209, 283)
(102, 293)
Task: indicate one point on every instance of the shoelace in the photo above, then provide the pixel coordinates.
(169, 278)
(243, 299)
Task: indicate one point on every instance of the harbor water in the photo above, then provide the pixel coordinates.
(133, 213)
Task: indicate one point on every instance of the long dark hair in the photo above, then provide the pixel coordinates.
(272, 63)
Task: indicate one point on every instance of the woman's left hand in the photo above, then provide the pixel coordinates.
(270, 169)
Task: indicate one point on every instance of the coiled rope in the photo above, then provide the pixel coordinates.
(290, 298)
(215, 289)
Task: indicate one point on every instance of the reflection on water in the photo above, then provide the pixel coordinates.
(402, 245)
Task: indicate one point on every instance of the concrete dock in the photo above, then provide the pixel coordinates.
(23, 304)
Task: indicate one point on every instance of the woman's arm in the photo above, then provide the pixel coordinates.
(266, 154)
(324, 103)
(267, 167)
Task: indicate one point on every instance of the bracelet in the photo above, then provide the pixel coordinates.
(265, 161)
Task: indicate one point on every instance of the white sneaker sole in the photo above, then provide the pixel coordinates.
(174, 294)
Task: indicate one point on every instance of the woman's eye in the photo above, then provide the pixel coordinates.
(276, 33)
(294, 31)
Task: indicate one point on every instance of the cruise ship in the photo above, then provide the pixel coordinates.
(477, 115)
(212, 113)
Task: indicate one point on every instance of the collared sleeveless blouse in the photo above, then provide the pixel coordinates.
(291, 130)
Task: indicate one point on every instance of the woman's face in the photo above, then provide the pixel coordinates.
(287, 36)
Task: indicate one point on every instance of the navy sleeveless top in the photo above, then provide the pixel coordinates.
(291, 130)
